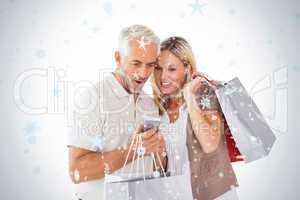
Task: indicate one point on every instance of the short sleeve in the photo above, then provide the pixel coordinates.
(87, 123)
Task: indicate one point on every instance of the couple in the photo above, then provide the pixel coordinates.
(191, 122)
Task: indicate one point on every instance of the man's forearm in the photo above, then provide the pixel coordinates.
(94, 165)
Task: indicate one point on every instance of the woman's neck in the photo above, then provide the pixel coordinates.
(174, 103)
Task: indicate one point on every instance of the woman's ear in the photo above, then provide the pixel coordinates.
(187, 73)
(118, 58)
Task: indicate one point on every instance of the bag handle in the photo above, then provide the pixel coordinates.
(138, 150)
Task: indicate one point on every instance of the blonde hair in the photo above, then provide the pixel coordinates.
(179, 47)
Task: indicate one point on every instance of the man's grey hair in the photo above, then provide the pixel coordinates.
(138, 32)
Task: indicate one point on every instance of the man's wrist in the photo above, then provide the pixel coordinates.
(128, 154)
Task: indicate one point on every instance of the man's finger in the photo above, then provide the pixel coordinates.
(139, 129)
(150, 133)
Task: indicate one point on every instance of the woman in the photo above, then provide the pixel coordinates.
(192, 123)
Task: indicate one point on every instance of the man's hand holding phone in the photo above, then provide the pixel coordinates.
(153, 141)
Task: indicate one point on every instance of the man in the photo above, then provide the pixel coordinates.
(106, 130)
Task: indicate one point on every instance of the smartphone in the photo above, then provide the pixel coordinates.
(151, 122)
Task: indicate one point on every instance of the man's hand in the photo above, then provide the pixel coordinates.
(152, 141)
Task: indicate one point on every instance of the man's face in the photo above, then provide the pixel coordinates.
(138, 64)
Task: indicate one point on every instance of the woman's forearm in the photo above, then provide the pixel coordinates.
(207, 125)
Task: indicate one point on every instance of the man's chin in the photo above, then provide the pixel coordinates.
(136, 88)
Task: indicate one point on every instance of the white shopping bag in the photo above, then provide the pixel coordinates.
(158, 185)
(162, 188)
(253, 136)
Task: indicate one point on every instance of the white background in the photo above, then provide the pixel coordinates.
(256, 40)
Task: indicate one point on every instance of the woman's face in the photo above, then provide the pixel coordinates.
(169, 74)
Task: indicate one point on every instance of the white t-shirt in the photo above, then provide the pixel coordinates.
(175, 136)
(105, 118)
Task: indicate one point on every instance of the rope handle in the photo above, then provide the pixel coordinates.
(139, 151)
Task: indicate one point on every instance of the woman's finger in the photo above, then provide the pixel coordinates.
(205, 77)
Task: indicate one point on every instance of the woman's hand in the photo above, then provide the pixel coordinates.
(190, 89)
(206, 124)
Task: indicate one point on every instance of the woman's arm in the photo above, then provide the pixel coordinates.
(206, 124)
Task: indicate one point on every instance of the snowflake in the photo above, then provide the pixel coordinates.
(230, 91)
(98, 143)
(56, 91)
(156, 174)
(143, 43)
(296, 68)
(250, 116)
(106, 168)
(221, 174)
(135, 76)
(141, 151)
(96, 28)
(37, 170)
(232, 11)
(253, 139)
(40, 53)
(107, 6)
(197, 7)
(130, 128)
(76, 175)
(214, 117)
(205, 102)
(31, 129)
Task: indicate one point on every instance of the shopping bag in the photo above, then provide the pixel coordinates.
(158, 185)
(233, 151)
(162, 188)
(253, 136)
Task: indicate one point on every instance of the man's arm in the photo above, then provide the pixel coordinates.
(85, 165)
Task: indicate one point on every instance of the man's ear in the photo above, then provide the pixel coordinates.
(118, 58)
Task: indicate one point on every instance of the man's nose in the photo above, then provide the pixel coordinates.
(144, 71)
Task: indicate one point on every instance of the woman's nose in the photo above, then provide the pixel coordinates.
(164, 74)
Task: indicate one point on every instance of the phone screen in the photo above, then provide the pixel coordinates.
(150, 123)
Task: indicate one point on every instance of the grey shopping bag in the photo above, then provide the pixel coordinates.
(253, 136)
(161, 188)
(158, 185)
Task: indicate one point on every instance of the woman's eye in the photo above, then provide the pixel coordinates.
(158, 68)
(172, 69)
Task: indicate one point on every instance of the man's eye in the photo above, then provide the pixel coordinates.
(136, 64)
(158, 67)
